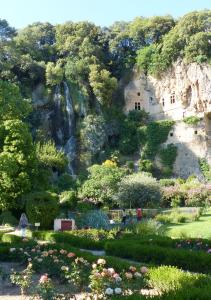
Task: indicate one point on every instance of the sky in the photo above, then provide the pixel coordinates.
(20, 13)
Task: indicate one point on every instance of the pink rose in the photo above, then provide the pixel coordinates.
(43, 279)
(71, 254)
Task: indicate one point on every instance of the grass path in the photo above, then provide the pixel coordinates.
(201, 228)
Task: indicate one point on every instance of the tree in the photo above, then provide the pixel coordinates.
(6, 32)
(103, 84)
(12, 106)
(54, 73)
(138, 190)
(102, 182)
(49, 157)
(93, 133)
(37, 40)
(17, 163)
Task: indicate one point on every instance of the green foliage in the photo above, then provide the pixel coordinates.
(192, 120)
(145, 165)
(168, 155)
(37, 40)
(49, 157)
(166, 278)
(93, 133)
(138, 190)
(196, 262)
(205, 168)
(68, 199)
(146, 228)
(42, 207)
(67, 238)
(6, 217)
(103, 84)
(17, 163)
(167, 182)
(139, 117)
(177, 217)
(156, 134)
(102, 183)
(84, 206)
(144, 57)
(128, 142)
(54, 73)
(12, 106)
(188, 39)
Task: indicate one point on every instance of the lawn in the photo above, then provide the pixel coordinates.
(201, 228)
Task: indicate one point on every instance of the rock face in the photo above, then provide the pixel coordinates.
(54, 118)
(184, 90)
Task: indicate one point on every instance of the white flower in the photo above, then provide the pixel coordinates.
(109, 291)
(64, 268)
(94, 266)
(118, 291)
(101, 261)
(39, 259)
(111, 270)
(29, 259)
(12, 249)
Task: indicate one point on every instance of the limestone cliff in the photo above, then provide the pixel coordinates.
(184, 90)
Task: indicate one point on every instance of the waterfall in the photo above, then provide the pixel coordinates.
(57, 104)
(70, 145)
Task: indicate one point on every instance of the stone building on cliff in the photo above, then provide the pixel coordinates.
(183, 91)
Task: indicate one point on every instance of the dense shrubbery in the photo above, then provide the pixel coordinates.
(42, 207)
(177, 217)
(6, 217)
(156, 134)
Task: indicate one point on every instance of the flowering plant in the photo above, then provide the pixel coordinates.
(104, 281)
(23, 279)
(45, 289)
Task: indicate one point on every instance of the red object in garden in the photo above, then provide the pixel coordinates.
(66, 225)
(139, 214)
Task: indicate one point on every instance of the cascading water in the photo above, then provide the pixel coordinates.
(70, 145)
(57, 103)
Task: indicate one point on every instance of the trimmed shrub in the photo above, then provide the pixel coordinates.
(68, 238)
(10, 238)
(6, 217)
(197, 261)
(138, 190)
(42, 207)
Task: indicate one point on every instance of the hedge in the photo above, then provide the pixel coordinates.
(162, 241)
(68, 238)
(192, 261)
(10, 238)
